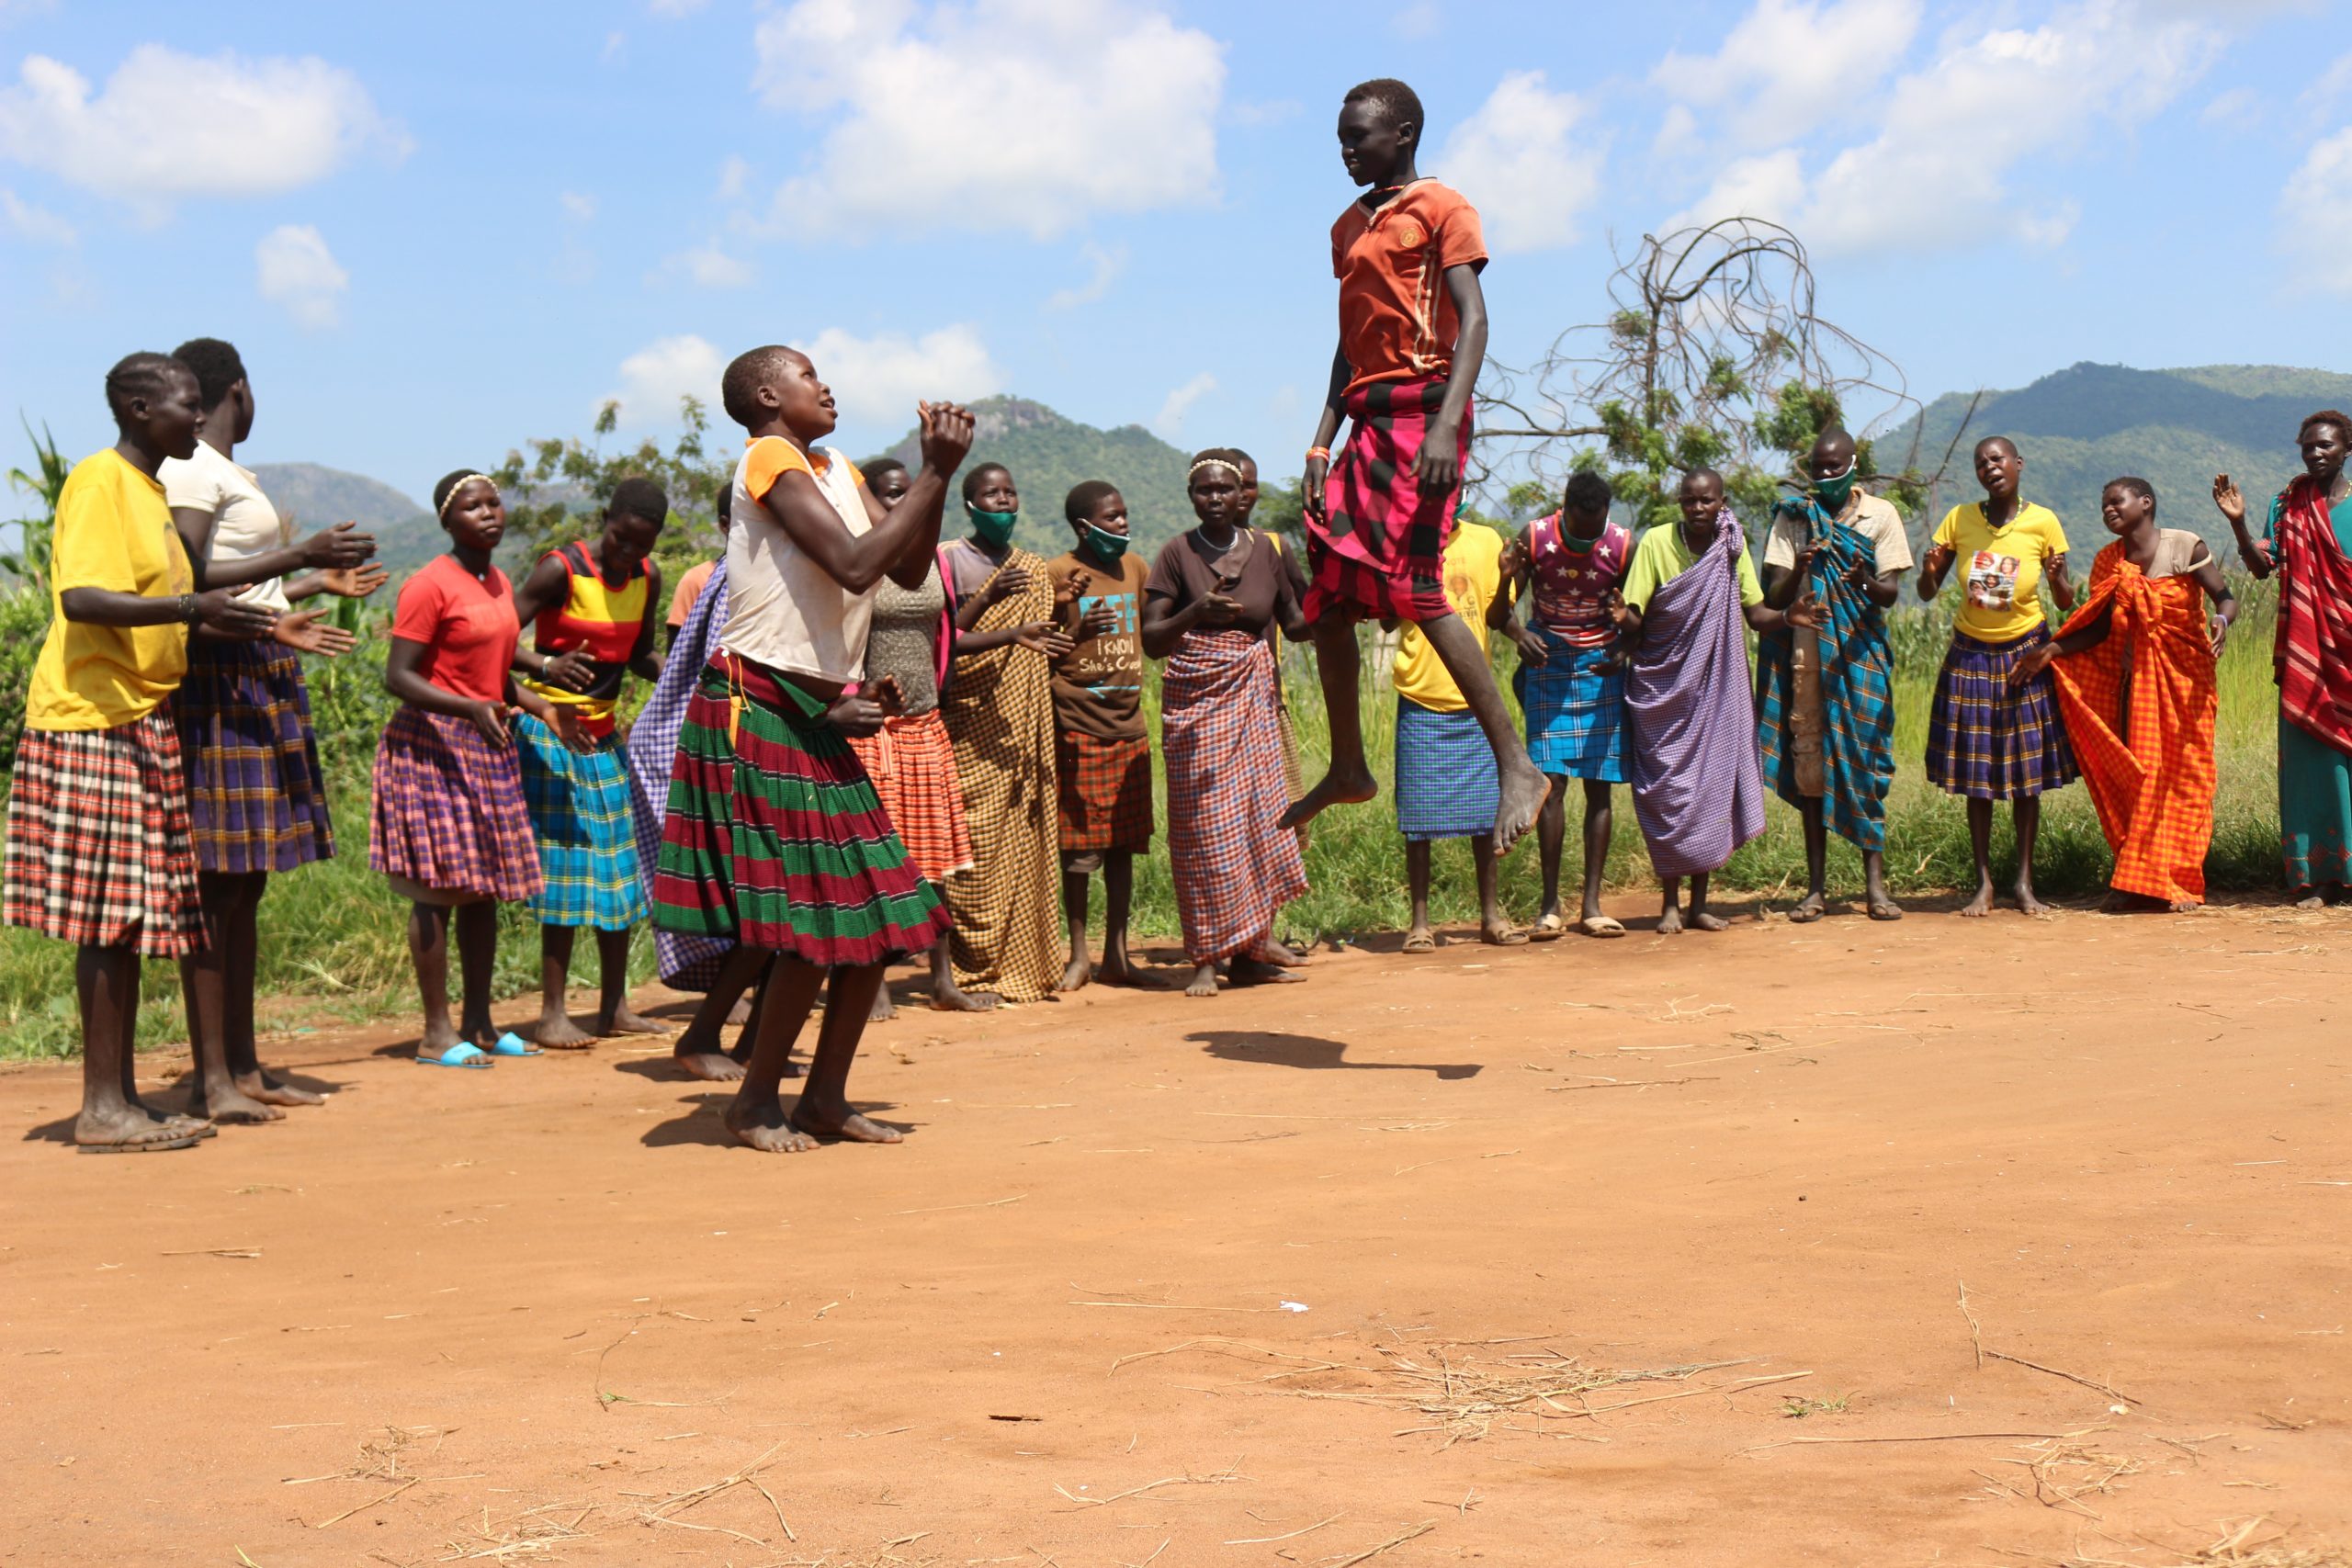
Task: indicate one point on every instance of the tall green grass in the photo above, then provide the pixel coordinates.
(334, 938)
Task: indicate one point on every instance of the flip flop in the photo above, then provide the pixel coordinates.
(510, 1044)
(1420, 945)
(1601, 925)
(1510, 936)
(1550, 927)
(151, 1146)
(1888, 911)
(461, 1054)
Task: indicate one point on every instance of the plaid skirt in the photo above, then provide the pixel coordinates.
(775, 836)
(579, 815)
(1105, 790)
(98, 851)
(1220, 733)
(256, 797)
(1574, 705)
(1446, 783)
(448, 812)
(1376, 552)
(912, 764)
(1987, 741)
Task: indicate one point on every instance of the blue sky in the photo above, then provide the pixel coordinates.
(436, 231)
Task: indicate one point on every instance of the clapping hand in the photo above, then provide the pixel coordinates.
(1008, 581)
(1532, 651)
(1805, 611)
(946, 435)
(340, 547)
(1043, 636)
(573, 671)
(301, 631)
(855, 714)
(221, 613)
(353, 581)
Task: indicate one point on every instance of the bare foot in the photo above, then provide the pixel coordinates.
(740, 1013)
(1255, 971)
(1809, 909)
(556, 1031)
(1203, 983)
(2028, 902)
(1352, 788)
(259, 1085)
(1976, 909)
(954, 999)
(1671, 922)
(230, 1104)
(1125, 971)
(1525, 791)
(885, 1006)
(1283, 953)
(2183, 906)
(844, 1124)
(625, 1021)
(766, 1127)
(1074, 979)
(133, 1126)
(1706, 922)
(711, 1067)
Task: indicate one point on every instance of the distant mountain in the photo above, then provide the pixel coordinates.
(1050, 453)
(317, 497)
(2089, 424)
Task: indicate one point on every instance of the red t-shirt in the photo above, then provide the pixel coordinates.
(468, 627)
(1397, 321)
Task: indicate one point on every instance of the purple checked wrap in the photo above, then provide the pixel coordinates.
(1698, 789)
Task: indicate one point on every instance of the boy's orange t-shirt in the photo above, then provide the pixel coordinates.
(1397, 321)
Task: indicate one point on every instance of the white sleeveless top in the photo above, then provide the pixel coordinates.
(782, 609)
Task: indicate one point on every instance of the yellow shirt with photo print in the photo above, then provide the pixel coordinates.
(1998, 570)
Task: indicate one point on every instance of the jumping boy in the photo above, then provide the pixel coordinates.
(1102, 751)
(1412, 334)
(1571, 682)
(1445, 775)
(774, 834)
(1846, 549)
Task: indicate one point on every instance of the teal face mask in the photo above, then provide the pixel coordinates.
(1107, 544)
(1833, 494)
(995, 528)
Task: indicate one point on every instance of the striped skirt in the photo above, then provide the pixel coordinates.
(448, 812)
(579, 815)
(256, 797)
(1575, 706)
(913, 765)
(1987, 741)
(1446, 782)
(775, 836)
(1105, 792)
(98, 851)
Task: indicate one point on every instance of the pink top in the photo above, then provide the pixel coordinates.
(1570, 585)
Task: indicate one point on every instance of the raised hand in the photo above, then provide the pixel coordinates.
(1219, 609)
(1068, 591)
(221, 613)
(341, 545)
(947, 437)
(1011, 579)
(1806, 554)
(2227, 496)
(353, 581)
(573, 671)
(1619, 615)
(301, 631)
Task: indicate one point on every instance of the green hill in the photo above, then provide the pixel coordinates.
(2087, 424)
(317, 497)
(1048, 454)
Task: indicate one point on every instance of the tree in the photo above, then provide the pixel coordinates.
(29, 561)
(1713, 354)
(559, 493)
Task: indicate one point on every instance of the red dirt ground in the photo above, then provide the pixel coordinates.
(536, 1313)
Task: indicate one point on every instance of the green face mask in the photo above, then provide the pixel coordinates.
(995, 528)
(1833, 494)
(1107, 544)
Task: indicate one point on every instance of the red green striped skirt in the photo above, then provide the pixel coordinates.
(774, 836)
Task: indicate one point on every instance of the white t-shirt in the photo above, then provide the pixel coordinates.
(245, 523)
(782, 609)
(1874, 519)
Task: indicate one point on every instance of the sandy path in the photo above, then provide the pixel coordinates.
(552, 1294)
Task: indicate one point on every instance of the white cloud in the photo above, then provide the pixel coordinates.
(294, 268)
(581, 207)
(707, 267)
(1793, 64)
(1521, 166)
(2315, 214)
(1020, 115)
(1106, 265)
(674, 8)
(170, 125)
(733, 174)
(1419, 20)
(1169, 423)
(1770, 185)
(657, 376)
(881, 378)
(34, 224)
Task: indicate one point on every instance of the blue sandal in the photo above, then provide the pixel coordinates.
(461, 1054)
(513, 1044)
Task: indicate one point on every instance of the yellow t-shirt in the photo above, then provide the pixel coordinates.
(114, 531)
(1473, 575)
(1661, 557)
(1999, 570)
